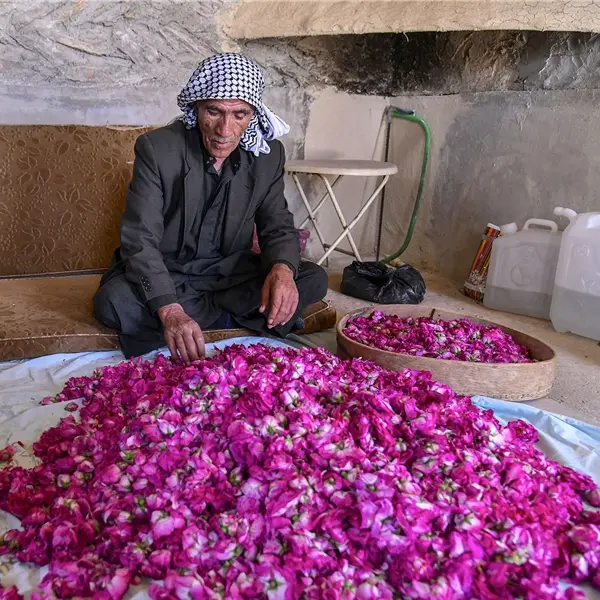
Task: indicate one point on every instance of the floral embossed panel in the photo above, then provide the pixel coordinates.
(62, 192)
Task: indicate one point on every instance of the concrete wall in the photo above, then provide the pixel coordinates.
(264, 18)
(119, 62)
(496, 157)
(123, 62)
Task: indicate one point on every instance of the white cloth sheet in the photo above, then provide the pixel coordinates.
(23, 384)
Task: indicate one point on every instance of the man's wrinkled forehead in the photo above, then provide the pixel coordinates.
(227, 106)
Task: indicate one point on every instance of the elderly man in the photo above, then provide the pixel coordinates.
(199, 187)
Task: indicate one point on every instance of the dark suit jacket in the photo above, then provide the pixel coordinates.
(162, 201)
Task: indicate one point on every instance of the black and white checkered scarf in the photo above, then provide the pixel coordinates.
(230, 76)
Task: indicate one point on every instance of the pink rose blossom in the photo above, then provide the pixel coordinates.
(11, 593)
(7, 453)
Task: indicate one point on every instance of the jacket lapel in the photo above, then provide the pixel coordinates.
(239, 205)
(193, 181)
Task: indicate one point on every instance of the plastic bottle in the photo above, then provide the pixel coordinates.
(576, 299)
(523, 268)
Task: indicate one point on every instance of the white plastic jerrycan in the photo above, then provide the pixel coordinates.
(576, 300)
(523, 268)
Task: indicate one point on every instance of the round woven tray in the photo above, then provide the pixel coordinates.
(522, 381)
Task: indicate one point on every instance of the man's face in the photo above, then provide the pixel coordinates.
(222, 124)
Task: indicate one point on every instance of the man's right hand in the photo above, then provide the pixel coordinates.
(182, 334)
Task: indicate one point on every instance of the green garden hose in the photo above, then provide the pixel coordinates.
(399, 113)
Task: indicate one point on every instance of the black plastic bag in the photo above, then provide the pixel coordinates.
(375, 282)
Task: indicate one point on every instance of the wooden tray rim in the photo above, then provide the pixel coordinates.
(427, 359)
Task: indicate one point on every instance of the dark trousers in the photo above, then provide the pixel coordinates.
(118, 305)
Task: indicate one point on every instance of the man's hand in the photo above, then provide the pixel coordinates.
(279, 296)
(182, 334)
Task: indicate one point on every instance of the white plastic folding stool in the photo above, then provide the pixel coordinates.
(338, 169)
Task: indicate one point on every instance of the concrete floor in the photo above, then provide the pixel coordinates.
(576, 392)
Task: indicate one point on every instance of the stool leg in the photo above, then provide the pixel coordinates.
(340, 215)
(311, 213)
(356, 219)
(320, 202)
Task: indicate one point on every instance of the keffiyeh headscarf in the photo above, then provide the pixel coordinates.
(230, 76)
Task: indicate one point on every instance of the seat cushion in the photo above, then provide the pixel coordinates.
(318, 317)
(49, 315)
(53, 314)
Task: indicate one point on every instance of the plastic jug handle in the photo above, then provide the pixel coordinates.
(542, 223)
(565, 212)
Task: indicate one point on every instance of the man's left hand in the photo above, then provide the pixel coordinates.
(279, 296)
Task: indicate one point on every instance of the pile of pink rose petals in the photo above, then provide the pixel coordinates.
(460, 339)
(281, 474)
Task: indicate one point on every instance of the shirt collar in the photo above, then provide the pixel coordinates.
(234, 159)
